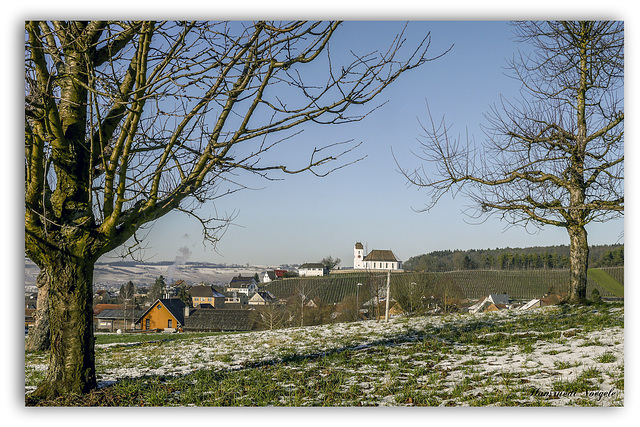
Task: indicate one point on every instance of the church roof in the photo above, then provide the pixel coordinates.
(381, 255)
(359, 245)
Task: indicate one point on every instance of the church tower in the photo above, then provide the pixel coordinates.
(358, 256)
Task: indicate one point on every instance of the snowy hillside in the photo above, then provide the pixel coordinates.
(116, 274)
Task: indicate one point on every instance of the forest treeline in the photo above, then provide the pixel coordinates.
(539, 257)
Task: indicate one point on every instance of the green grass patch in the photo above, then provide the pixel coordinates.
(455, 360)
(129, 338)
(606, 281)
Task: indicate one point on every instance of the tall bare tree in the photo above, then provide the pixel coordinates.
(556, 157)
(127, 121)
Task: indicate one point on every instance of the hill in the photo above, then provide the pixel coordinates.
(418, 289)
(607, 281)
(538, 257)
(117, 273)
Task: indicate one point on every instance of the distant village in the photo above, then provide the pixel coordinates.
(244, 303)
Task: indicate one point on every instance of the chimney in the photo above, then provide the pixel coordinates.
(186, 311)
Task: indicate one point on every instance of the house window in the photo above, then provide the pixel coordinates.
(147, 324)
(159, 306)
(169, 323)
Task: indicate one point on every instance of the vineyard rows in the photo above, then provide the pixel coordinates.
(473, 284)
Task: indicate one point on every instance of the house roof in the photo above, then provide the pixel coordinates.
(173, 305)
(119, 314)
(205, 291)
(311, 265)
(224, 320)
(381, 255)
(100, 307)
(485, 303)
(499, 298)
(241, 282)
(531, 304)
(262, 296)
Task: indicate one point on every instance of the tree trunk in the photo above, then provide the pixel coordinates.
(579, 254)
(39, 338)
(71, 359)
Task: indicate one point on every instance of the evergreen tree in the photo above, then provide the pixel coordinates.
(157, 289)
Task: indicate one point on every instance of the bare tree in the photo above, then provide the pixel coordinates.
(270, 316)
(330, 263)
(303, 295)
(127, 121)
(556, 157)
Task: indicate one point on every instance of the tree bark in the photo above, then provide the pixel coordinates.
(579, 250)
(39, 338)
(71, 358)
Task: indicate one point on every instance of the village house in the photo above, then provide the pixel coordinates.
(312, 269)
(172, 315)
(493, 302)
(204, 294)
(103, 296)
(262, 298)
(242, 285)
(110, 320)
(172, 290)
(377, 259)
(272, 275)
(268, 276)
(236, 300)
(541, 302)
(98, 308)
(164, 314)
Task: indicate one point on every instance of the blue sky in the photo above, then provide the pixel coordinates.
(304, 218)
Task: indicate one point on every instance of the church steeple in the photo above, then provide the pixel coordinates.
(358, 256)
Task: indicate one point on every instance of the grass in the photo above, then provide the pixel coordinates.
(138, 338)
(502, 359)
(606, 281)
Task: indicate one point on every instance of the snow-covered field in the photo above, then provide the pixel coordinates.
(116, 275)
(452, 360)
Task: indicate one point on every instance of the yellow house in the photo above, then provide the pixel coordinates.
(203, 294)
(164, 314)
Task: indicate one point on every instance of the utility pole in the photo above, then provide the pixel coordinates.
(358, 301)
(386, 310)
(411, 296)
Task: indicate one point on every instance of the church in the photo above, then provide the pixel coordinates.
(377, 259)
